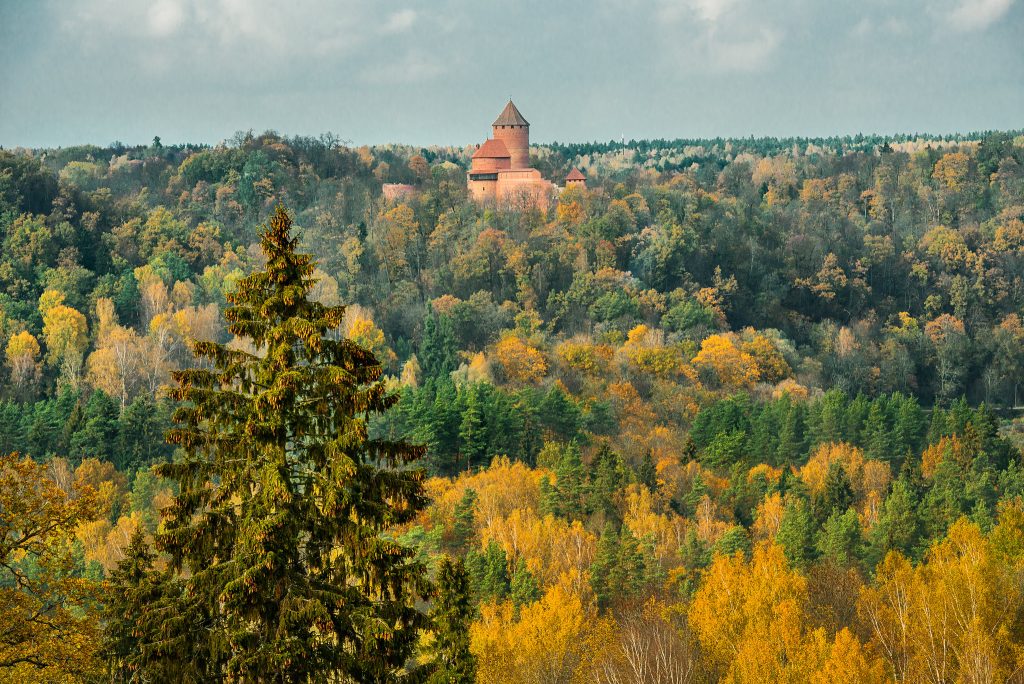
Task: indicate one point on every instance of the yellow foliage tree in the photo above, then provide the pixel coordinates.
(771, 364)
(48, 631)
(952, 618)
(359, 327)
(547, 644)
(64, 329)
(551, 547)
(751, 622)
(23, 358)
(115, 366)
(732, 367)
(848, 662)
(523, 364)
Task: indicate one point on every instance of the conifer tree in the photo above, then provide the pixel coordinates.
(647, 473)
(524, 587)
(489, 572)
(601, 569)
(796, 533)
(276, 533)
(463, 526)
(472, 430)
(438, 354)
(132, 588)
(451, 615)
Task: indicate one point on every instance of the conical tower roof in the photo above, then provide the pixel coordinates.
(575, 175)
(510, 116)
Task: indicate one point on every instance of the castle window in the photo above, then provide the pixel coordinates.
(483, 176)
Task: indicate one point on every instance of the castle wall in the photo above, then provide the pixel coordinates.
(522, 187)
(482, 190)
(517, 140)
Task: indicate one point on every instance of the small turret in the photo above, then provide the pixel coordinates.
(575, 179)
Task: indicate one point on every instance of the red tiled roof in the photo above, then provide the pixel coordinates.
(575, 174)
(510, 116)
(492, 149)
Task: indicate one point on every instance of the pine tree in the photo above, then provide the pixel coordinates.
(908, 427)
(438, 354)
(276, 533)
(796, 533)
(98, 434)
(524, 587)
(488, 571)
(463, 527)
(837, 495)
(608, 479)
(570, 484)
(792, 443)
(605, 560)
(646, 473)
(878, 438)
(472, 430)
(840, 538)
(698, 490)
(451, 615)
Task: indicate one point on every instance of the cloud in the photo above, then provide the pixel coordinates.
(412, 68)
(974, 15)
(399, 22)
(247, 41)
(165, 17)
(717, 35)
(749, 54)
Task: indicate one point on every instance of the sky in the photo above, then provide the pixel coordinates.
(439, 71)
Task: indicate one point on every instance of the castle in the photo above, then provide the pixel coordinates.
(500, 170)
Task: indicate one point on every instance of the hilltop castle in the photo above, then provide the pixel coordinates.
(500, 170)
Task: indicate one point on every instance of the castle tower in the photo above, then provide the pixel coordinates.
(512, 129)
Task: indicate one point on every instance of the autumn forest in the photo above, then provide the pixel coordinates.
(740, 410)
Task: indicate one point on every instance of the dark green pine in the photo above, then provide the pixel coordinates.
(451, 615)
(130, 591)
(276, 531)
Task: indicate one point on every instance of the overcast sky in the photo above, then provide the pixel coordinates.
(439, 71)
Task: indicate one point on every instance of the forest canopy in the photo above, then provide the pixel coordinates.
(786, 371)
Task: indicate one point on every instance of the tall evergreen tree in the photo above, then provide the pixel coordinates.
(439, 351)
(276, 533)
(524, 589)
(463, 526)
(472, 429)
(451, 614)
(132, 588)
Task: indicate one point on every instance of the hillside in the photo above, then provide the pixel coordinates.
(708, 418)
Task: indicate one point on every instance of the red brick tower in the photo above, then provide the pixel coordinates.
(575, 179)
(512, 129)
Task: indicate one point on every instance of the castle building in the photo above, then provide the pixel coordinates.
(500, 170)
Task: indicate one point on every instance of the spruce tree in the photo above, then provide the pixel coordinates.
(131, 588)
(796, 533)
(524, 589)
(439, 352)
(451, 614)
(463, 523)
(276, 535)
(605, 560)
(472, 430)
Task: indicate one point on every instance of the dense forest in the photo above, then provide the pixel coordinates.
(741, 410)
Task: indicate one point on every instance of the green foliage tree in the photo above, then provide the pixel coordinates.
(796, 533)
(276, 533)
(450, 617)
